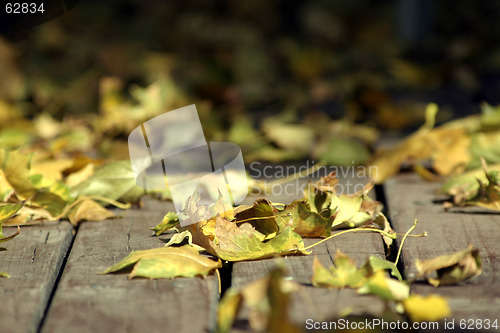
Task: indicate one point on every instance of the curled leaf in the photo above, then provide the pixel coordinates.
(166, 262)
(169, 221)
(451, 268)
(88, 210)
(7, 211)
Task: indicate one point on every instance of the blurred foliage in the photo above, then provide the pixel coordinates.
(284, 79)
(261, 55)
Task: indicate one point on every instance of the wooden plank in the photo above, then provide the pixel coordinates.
(317, 303)
(33, 259)
(410, 197)
(88, 302)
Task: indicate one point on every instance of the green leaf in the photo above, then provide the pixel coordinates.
(347, 207)
(381, 285)
(377, 264)
(343, 274)
(305, 222)
(112, 180)
(166, 262)
(6, 212)
(169, 221)
(235, 242)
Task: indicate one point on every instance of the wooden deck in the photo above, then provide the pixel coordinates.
(54, 285)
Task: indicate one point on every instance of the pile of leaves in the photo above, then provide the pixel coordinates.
(266, 229)
(66, 189)
(479, 187)
(449, 149)
(268, 300)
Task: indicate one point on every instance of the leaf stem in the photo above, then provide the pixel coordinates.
(403, 240)
(218, 280)
(393, 236)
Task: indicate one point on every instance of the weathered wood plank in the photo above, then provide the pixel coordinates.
(409, 197)
(88, 302)
(33, 259)
(317, 303)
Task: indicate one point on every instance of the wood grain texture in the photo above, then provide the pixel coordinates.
(33, 259)
(409, 197)
(88, 302)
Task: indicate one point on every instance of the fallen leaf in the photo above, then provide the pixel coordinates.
(381, 285)
(179, 238)
(169, 221)
(236, 242)
(451, 268)
(343, 274)
(305, 222)
(89, 210)
(112, 181)
(376, 264)
(166, 262)
(6, 212)
(16, 170)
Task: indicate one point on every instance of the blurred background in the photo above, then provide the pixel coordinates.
(285, 79)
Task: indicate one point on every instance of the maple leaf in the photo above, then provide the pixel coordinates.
(304, 221)
(451, 268)
(166, 262)
(235, 242)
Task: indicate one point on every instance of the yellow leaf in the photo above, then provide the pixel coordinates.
(429, 308)
(166, 262)
(89, 210)
(79, 176)
(50, 170)
(235, 242)
(15, 166)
